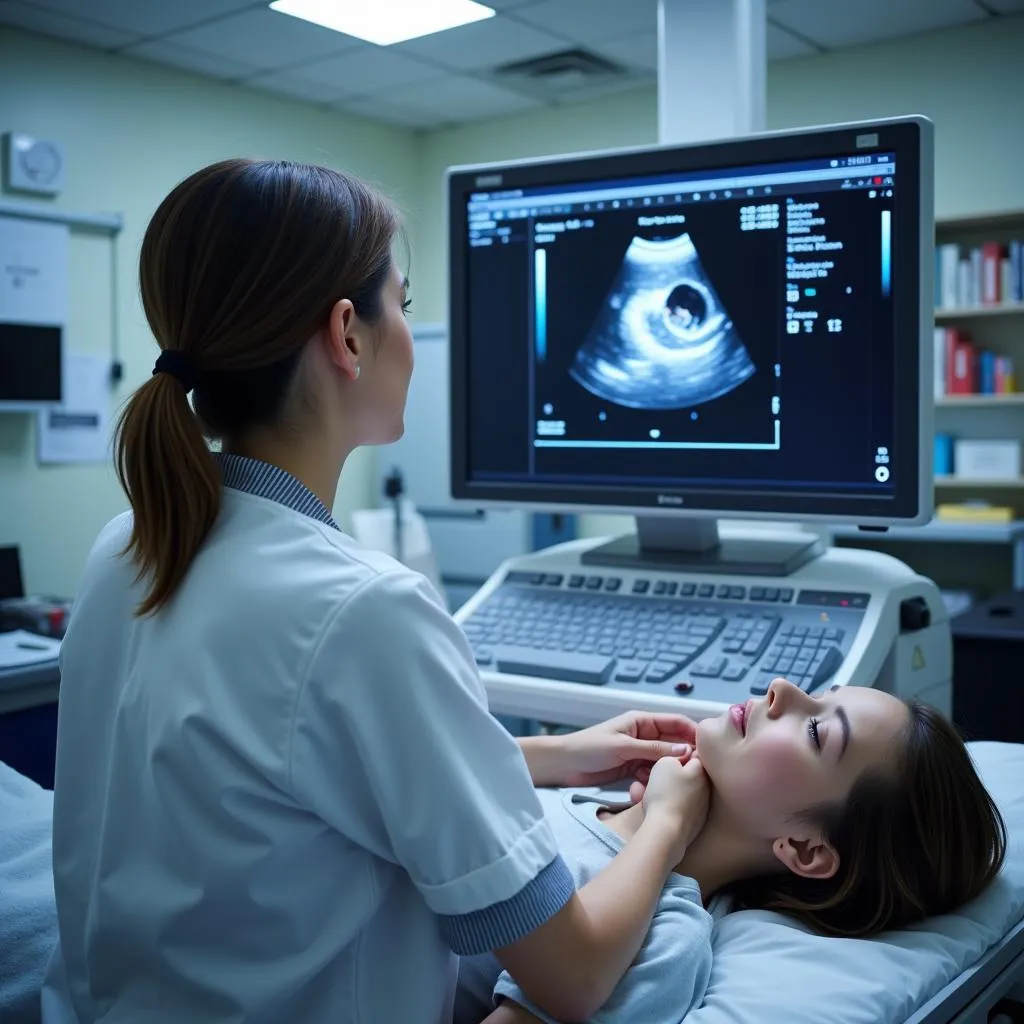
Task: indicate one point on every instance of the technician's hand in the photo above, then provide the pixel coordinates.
(624, 747)
(681, 793)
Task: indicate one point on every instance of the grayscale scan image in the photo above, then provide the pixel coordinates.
(662, 339)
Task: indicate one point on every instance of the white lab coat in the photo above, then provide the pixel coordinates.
(281, 798)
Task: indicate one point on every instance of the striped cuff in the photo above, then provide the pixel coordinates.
(504, 923)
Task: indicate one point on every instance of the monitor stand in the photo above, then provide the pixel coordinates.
(681, 544)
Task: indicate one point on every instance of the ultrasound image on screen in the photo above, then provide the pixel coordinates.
(662, 339)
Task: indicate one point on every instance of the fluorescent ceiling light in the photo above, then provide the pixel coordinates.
(386, 21)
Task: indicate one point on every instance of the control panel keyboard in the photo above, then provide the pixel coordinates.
(717, 642)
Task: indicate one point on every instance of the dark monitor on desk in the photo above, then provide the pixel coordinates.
(11, 584)
(741, 328)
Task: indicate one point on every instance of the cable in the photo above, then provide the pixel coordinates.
(116, 366)
(394, 488)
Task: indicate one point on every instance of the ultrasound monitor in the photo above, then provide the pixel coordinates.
(738, 329)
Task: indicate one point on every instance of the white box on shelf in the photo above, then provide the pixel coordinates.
(987, 460)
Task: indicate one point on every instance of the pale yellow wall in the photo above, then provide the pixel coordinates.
(131, 130)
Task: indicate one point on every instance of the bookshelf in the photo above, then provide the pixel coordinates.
(999, 329)
(984, 401)
(954, 316)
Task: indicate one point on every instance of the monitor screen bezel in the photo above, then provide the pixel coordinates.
(911, 138)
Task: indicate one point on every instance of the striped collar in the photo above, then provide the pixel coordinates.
(266, 481)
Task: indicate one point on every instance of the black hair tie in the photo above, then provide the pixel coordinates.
(178, 365)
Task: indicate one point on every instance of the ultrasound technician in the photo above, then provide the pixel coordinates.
(280, 795)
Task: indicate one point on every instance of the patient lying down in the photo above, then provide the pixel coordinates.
(853, 813)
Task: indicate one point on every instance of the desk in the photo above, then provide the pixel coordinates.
(942, 532)
(22, 688)
(28, 720)
(988, 665)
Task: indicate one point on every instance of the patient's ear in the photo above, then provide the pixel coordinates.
(809, 858)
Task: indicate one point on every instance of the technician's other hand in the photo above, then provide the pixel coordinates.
(625, 747)
(681, 793)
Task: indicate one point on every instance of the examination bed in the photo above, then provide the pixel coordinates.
(765, 969)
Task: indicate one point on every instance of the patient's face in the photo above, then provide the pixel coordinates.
(790, 751)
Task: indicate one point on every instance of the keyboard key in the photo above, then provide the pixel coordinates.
(771, 593)
(734, 673)
(686, 651)
(572, 667)
(630, 671)
(706, 590)
(594, 582)
(785, 595)
(483, 656)
(827, 668)
(760, 683)
(709, 670)
(757, 593)
(724, 592)
(575, 582)
(641, 586)
(659, 671)
(671, 588)
(612, 583)
(553, 579)
(738, 593)
(688, 589)
(518, 576)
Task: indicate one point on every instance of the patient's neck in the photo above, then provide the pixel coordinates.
(719, 856)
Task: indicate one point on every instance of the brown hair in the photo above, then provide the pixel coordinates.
(240, 266)
(918, 840)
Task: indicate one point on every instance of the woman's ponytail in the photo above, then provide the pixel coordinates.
(240, 266)
(172, 482)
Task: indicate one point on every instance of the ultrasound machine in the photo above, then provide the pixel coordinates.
(738, 330)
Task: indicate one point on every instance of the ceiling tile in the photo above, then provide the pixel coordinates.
(79, 30)
(287, 83)
(365, 71)
(637, 51)
(457, 98)
(592, 21)
(781, 44)
(161, 51)
(837, 24)
(265, 39)
(483, 44)
(597, 90)
(148, 17)
(369, 106)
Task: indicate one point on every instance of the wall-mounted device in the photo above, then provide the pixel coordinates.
(32, 165)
